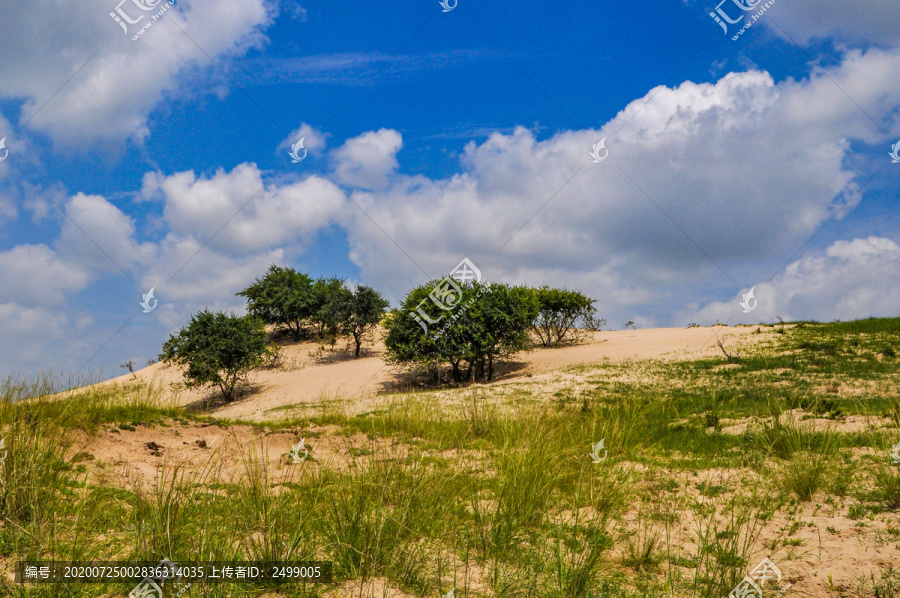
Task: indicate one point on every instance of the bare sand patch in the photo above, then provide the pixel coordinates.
(337, 377)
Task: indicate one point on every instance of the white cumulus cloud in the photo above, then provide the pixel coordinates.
(849, 280)
(115, 82)
(875, 21)
(251, 214)
(698, 176)
(313, 139)
(369, 160)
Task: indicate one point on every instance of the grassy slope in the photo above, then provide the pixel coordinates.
(490, 489)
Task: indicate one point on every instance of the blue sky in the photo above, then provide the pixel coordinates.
(163, 161)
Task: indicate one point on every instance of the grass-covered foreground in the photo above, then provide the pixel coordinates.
(710, 465)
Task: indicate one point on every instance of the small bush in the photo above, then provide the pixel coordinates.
(560, 311)
(217, 350)
(282, 297)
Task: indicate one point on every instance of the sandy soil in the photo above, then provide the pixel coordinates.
(308, 379)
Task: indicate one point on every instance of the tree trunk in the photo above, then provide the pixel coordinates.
(479, 369)
(227, 390)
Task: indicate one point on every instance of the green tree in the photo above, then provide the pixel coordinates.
(217, 349)
(442, 342)
(355, 313)
(560, 310)
(283, 297)
(406, 341)
(488, 323)
(323, 289)
(499, 323)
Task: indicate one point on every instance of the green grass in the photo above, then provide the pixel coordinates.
(490, 489)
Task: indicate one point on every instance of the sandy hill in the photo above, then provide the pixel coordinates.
(309, 375)
(711, 440)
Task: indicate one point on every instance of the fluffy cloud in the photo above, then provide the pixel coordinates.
(92, 235)
(313, 139)
(850, 279)
(251, 214)
(259, 223)
(37, 332)
(39, 276)
(746, 168)
(46, 42)
(189, 277)
(36, 284)
(368, 161)
(878, 21)
(100, 237)
(875, 22)
(96, 239)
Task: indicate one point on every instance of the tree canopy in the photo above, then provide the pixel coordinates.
(354, 313)
(323, 318)
(489, 322)
(217, 349)
(560, 310)
(282, 297)
(443, 326)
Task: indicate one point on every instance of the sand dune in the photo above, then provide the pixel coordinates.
(313, 376)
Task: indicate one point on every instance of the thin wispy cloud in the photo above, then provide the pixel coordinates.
(478, 131)
(351, 68)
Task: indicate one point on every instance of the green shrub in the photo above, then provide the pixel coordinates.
(282, 297)
(486, 323)
(354, 313)
(217, 350)
(560, 310)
